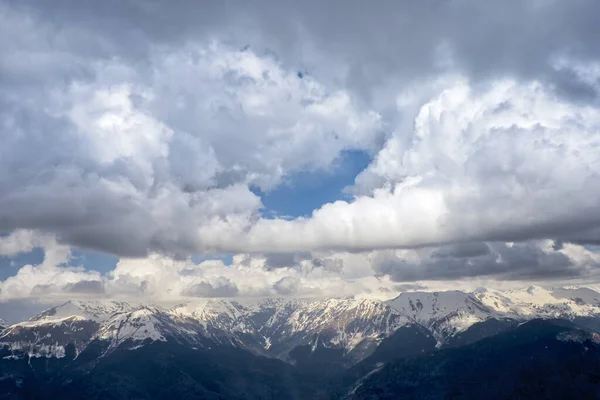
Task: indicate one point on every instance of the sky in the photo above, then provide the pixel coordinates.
(162, 151)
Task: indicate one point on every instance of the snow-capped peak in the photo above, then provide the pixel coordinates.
(537, 302)
(274, 326)
(138, 325)
(89, 310)
(425, 306)
(444, 313)
(578, 294)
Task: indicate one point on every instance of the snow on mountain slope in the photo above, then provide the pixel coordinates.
(500, 302)
(145, 324)
(268, 326)
(537, 302)
(448, 313)
(226, 315)
(581, 295)
(49, 338)
(353, 325)
(89, 310)
(49, 333)
(275, 326)
(443, 313)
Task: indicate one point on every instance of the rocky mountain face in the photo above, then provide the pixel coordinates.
(270, 327)
(537, 359)
(275, 327)
(334, 343)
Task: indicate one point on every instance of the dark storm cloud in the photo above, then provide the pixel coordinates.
(378, 41)
(519, 261)
(462, 250)
(586, 237)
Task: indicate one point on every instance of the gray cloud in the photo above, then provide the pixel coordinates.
(375, 41)
(286, 286)
(281, 260)
(82, 287)
(329, 264)
(72, 72)
(408, 287)
(462, 250)
(85, 287)
(164, 174)
(585, 237)
(518, 261)
(45, 289)
(222, 287)
(14, 311)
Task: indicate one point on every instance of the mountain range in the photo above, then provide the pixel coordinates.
(304, 348)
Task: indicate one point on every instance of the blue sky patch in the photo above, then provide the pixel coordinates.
(9, 266)
(306, 191)
(92, 260)
(226, 258)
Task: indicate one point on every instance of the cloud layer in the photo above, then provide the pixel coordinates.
(146, 131)
(375, 274)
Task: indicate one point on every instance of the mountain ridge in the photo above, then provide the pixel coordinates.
(273, 327)
(306, 348)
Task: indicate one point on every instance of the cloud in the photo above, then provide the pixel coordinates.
(149, 165)
(222, 287)
(368, 47)
(376, 274)
(462, 250)
(18, 310)
(501, 162)
(47, 281)
(279, 260)
(85, 287)
(141, 130)
(18, 241)
(159, 278)
(409, 287)
(286, 286)
(537, 261)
